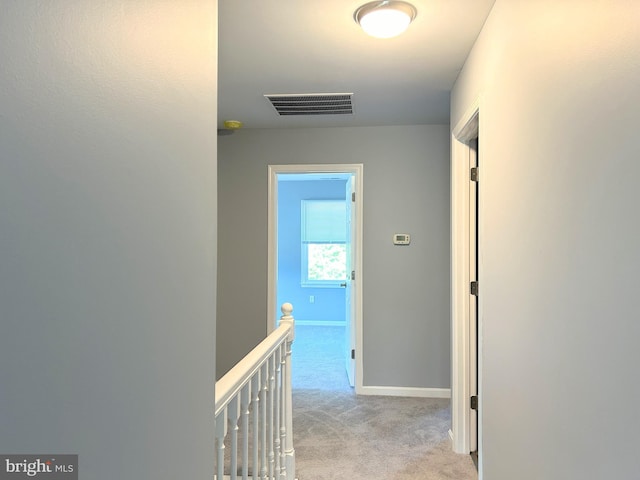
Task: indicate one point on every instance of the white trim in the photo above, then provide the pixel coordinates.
(272, 250)
(407, 392)
(467, 128)
(357, 170)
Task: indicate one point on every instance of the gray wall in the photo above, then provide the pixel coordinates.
(107, 244)
(559, 246)
(405, 289)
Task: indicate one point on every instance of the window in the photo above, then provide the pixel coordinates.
(323, 237)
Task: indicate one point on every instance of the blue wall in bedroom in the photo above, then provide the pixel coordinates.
(329, 304)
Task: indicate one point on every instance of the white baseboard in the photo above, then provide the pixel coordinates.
(407, 392)
(320, 323)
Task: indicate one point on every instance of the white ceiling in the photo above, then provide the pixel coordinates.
(315, 46)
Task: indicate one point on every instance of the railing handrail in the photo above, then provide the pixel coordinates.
(236, 378)
(253, 410)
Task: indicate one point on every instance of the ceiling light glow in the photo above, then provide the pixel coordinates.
(385, 19)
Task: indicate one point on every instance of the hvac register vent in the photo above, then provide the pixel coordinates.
(312, 104)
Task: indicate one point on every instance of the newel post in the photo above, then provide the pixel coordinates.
(289, 452)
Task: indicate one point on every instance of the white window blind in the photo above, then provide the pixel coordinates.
(324, 221)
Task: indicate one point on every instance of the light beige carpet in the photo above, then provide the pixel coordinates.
(338, 435)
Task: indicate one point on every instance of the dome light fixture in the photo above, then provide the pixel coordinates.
(385, 19)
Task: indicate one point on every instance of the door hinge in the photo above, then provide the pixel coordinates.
(353, 274)
(474, 288)
(353, 354)
(474, 174)
(474, 402)
(353, 196)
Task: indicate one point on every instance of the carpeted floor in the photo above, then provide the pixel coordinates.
(319, 359)
(338, 435)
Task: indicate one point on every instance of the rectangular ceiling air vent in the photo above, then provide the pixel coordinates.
(312, 104)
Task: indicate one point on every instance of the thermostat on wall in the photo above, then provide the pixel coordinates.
(401, 239)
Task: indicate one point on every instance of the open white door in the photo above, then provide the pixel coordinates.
(350, 334)
(473, 296)
(466, 358)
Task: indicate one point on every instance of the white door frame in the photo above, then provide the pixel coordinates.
(466, 129)
(272, 243)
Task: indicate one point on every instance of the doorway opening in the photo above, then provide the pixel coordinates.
(315, 263)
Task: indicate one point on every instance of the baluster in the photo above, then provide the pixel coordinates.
(289, 452)
(270, 394)
(276, 401)
(283, 413)
(264, 376)
(233, 416)
(244, 407)
(255, 404)
(221, 432)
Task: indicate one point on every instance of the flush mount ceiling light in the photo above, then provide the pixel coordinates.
(385, 19)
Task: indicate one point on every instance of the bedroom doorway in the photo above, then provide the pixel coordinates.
(315, 256)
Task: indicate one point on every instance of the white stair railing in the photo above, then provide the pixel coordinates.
(253, 413)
